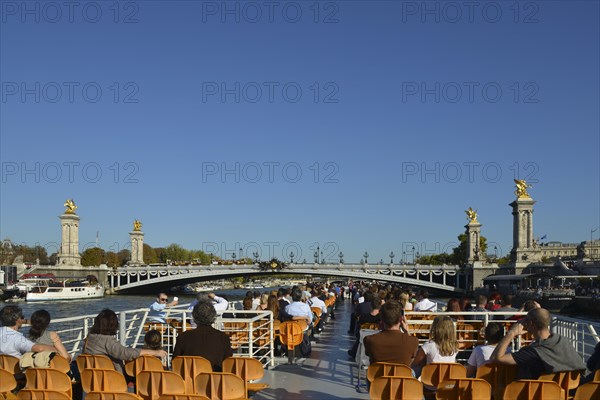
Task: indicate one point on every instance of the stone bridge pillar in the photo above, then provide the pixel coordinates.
(69, 245)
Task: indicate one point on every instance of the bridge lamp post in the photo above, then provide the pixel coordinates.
(322, 258)
(495, 253)
(316, 255)
(381, 261)
(241, 253)
(417, 259)
(392, 255)
(291, 257)
(341, 256)
(366, 255)
(362, 261)
(233, 257)
(403, 257)
(255, 255)
(413, 253)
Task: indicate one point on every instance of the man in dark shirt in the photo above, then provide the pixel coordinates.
(548, 354)
(204, 341)
(393, 344)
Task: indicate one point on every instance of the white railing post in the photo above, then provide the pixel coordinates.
(122, 328)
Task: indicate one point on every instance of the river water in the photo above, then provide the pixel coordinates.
(74, 308)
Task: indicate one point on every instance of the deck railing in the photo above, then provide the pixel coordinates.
(252, 333)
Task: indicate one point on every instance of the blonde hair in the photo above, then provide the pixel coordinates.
(403, 299)
(444, 335)
(264, 298)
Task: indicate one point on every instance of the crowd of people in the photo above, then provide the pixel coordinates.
(382, 307)
(548, 353)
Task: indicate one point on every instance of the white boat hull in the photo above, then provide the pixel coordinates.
(67, 293)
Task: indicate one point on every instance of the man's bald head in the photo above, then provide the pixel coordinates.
(539, 318)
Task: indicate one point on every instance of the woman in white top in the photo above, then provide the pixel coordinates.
(443, 345)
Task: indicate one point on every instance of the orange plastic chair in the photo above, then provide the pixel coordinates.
(566, 380)
(60, 363)
(111, 396)
(528, 389)
(395, 387)
(48, 379)
(7, 383)
(189, 367)
(291, 335)
(143, 363)
(102, 380)
(499, 376)
(150, 385)
(182, 397)
(85, 361)
(597, 376)
(9, 363)
(370, 325)
(388, 369)
(40, 394)
(435, 373)
(221, 386)
(589, 391)
(464, 389)
(247, 368)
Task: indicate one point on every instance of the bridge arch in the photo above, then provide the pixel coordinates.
(153, 279)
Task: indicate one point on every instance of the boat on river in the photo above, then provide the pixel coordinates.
(49, 290)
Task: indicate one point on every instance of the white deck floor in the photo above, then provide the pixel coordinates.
(328, 373)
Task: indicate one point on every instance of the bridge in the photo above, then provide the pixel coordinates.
(144, 279)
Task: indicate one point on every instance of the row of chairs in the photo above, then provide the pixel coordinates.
(497, 377)
(98, 375)
(408, 388)
(183, 379)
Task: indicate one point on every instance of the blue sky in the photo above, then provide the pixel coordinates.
(361, 126)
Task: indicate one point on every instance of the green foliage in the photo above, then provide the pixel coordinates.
(150, 256)
(30, 254)
(93, 257)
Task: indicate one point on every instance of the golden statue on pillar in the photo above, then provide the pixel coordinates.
(71, 207)
(521, 191)
(471, 215)
(137, 226)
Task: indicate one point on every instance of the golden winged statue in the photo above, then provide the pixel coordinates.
(521, 191)
(71, 207)
(471, 215)
(137, 225)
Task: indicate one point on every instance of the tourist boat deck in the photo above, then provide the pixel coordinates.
(329, 373)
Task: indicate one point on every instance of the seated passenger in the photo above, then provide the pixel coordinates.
(157, 309)
(39, 333)
(481, 354)
(393, 344)
(443, 345)
(549, 352)
(153, 340)
(13, 342)
(204, 341)
(102, 341)
(424, 303)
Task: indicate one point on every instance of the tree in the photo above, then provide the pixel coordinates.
(459, 254)
(123, 256)
(175, 252)
(149, 255)
(92, 257)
